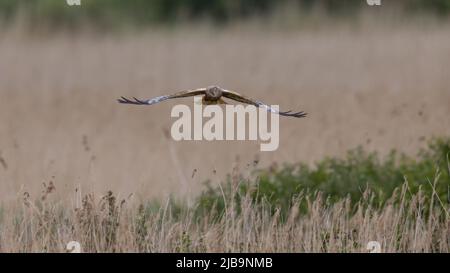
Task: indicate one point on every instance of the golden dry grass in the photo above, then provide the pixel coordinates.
(107, 224)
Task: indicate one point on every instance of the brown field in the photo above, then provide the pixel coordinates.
(383, 87)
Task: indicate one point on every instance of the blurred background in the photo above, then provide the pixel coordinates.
(371, 76)
(141, 13)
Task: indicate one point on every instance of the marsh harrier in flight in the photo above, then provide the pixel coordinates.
(212, 95)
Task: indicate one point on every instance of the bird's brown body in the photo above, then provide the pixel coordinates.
(213, 95)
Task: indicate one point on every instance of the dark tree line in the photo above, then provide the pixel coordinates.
(113, 12)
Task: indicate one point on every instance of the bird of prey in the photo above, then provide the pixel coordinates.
(212, 95)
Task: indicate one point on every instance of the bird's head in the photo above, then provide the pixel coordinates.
(214, 92)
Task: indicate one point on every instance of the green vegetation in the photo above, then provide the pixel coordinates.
(336, 179)
(113, 13)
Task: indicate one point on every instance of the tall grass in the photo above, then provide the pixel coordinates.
(409, 218)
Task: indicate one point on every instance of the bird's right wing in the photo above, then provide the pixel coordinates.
(182, 94)
(240, 98)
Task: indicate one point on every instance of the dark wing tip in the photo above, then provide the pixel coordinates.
(122, 100)
(300, 114)
(128, 101)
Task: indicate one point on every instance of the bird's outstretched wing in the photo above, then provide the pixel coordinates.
(182, 94)
(238, 97)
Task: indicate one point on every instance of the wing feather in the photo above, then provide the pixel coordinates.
(240, 98)
(182, 94)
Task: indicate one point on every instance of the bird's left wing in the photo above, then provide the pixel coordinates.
(240, 98)
(182, 94)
